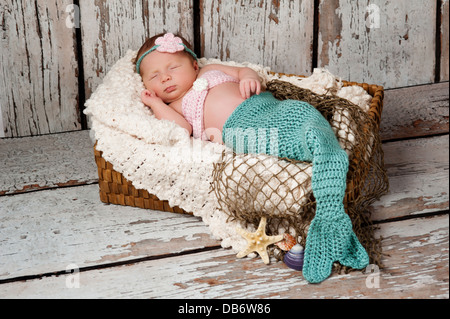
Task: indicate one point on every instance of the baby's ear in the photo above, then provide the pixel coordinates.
(196, 67)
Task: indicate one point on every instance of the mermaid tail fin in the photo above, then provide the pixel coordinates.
(330, 236)
(329, 240)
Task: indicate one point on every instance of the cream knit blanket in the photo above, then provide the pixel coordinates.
(159, 156)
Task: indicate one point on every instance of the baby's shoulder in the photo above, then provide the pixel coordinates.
(209, 67)
(212, 66)
(229, 70)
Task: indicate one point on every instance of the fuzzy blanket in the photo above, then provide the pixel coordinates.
(160, 157)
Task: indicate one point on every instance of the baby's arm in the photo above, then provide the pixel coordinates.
(162, 111)
(249, 81)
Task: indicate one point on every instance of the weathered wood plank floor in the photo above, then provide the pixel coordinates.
(51, 220)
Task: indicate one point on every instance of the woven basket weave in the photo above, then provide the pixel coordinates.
(116, 189)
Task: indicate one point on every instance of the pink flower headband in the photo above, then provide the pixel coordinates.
(167, 43)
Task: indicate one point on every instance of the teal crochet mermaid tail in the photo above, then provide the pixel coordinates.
(330, 235)
(296, 130)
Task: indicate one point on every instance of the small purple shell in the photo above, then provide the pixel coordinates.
(294, 257)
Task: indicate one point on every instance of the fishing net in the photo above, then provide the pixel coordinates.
(249, 186)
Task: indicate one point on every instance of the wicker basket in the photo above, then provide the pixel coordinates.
(116, 189)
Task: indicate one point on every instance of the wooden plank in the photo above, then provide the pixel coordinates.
(110, 28)
(277, 34)
(416, 266)
(418, 184)
(66, 159)
(43, 232)
(418, 178)
(415, 111)
(38, 67)
(390, 43)
(444, 37)
(48, 161)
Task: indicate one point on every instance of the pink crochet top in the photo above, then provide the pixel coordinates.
(194, 100)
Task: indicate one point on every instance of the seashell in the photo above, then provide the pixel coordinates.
(287, 243)
(294, 257)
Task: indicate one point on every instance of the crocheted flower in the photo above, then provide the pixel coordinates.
(169, 43)
(200, 85)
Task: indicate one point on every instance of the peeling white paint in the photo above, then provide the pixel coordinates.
(276, 34)
(218, 274)
(398, 53)
(2, 131)
(45, 231)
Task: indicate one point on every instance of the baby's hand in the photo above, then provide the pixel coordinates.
(249, 86)
(150, 98)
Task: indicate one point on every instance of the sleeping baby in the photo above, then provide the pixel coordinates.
(178, 90)
(220, 103)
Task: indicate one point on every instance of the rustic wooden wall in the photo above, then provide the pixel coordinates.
(110, 28)
(396, 48)
(55, 53)
(444, 38)
(278, 34)
(39, 70)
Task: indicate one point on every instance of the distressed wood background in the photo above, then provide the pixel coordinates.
(53, 54)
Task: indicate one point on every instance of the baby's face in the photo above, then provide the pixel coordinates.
(169, 75)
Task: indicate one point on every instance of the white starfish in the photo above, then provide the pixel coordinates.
(258, 241)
